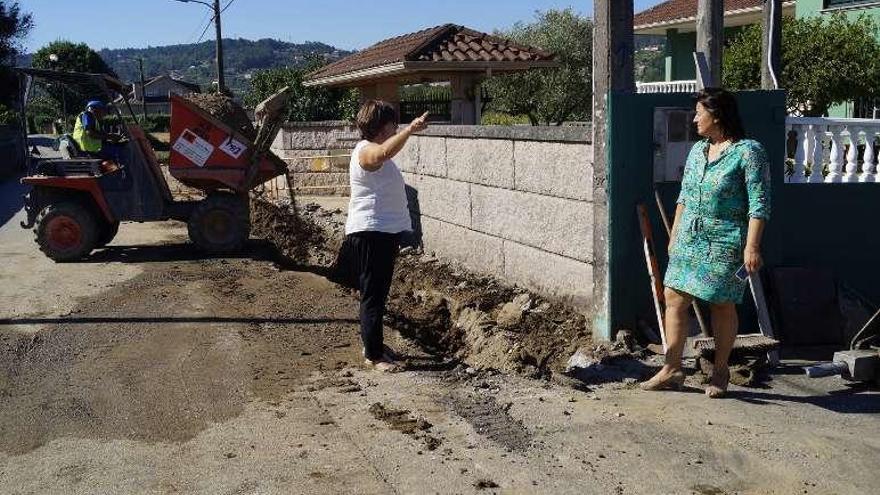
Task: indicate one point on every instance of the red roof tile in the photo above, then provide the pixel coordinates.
(673, 10)
(448, 42)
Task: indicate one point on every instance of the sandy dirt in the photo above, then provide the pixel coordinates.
(226, 110)
(149, 369)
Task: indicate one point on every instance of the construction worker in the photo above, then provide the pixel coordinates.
(88, 132)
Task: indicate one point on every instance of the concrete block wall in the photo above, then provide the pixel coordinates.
(514, 202)
(317, 153)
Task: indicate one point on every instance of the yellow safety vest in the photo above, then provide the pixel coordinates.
(85, 142)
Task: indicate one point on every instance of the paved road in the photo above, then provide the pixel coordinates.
(147, 369)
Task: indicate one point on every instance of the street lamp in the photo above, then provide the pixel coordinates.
(53, 64)
(221, 86)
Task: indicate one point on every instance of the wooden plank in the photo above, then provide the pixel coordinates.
(763, 313)
(653, 270)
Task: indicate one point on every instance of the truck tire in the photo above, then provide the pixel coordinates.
(220, 223)
(66, 231)
(107, 233)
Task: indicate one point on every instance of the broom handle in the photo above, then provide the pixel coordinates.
(704, 329)
(653, 270)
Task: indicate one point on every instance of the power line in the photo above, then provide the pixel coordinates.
(210, 21)
(208, 25)
(196, 30)
(227, 6)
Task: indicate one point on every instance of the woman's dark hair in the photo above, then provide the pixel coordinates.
(721, 105)
(373, 116)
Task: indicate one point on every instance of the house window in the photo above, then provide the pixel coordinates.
(845, 3)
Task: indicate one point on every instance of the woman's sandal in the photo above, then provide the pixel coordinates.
(672, 381)
(387, 363)
(718, 385)
(383, 364)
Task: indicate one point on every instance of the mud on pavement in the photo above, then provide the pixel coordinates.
(131, 364)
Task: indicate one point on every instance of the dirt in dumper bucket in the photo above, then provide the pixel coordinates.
(226, 110)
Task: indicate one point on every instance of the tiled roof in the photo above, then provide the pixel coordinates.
(673, 10)
(446, 43)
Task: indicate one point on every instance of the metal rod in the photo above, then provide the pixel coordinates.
(771, 44)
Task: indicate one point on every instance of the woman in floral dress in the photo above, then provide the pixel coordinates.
(719, 222)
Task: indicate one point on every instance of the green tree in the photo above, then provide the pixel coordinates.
(306, 103)
(75, 57)
(14, 26)
(650, 65)
(549, 95)
(825, 61)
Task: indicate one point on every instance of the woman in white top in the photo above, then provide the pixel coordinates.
(377, 215)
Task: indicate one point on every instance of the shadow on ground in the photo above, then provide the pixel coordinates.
(11, 198)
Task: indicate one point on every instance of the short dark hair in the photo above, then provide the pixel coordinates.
(373, 116)
(721, 104)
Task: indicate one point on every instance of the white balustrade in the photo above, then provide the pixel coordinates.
(684, 86)
(800, 153)
(852, 155)
(835, 164)
(833, 150)
(816, 158)
(869, 163)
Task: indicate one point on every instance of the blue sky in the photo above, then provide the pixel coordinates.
(348, 24)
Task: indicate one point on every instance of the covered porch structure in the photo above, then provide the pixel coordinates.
(449, 53)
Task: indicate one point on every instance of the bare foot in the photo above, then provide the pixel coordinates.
(718, 383)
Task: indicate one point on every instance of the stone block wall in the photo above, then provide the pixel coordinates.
(514, 202)
(317, 153)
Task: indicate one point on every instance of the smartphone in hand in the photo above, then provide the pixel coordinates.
(742, 274)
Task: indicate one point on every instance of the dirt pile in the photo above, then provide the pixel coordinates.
(304, 235)
(485, 323)
(226, 110)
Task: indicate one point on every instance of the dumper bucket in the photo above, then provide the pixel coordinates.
(208, 154)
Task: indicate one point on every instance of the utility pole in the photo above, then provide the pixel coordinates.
(771, 44)
(143, 89)
(221, 85)
(215, 7)
(612, 72)
(710, 32)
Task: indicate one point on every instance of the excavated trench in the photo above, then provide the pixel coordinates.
(446, 309)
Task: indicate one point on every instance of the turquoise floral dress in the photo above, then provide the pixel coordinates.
(719, 198)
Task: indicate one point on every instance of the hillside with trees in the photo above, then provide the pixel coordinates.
(195, 62)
